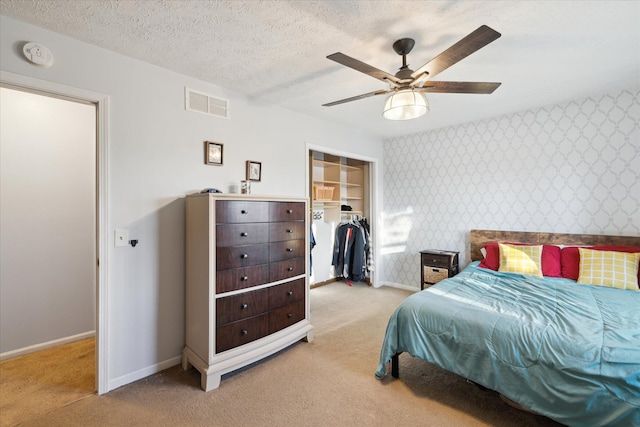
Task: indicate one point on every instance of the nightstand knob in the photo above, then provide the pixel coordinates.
(290, 315)
(289, 249)
(244, 212)
(289, 211)
(243, 256)
(244, 234)
(290, 269)
(244, 278)
(243, 306)
(244, 332)
(289, 231)
(290, 293)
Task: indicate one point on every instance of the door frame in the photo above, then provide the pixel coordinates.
(101, 102)
(374, 222)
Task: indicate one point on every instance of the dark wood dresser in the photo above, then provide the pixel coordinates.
(247, 291)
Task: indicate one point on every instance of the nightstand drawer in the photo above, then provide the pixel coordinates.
(436, 260)
(434, 274)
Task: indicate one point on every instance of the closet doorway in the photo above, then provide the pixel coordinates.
(341, 190)
(45, 230)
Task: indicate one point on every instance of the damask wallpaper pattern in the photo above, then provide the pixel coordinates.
(571, 168)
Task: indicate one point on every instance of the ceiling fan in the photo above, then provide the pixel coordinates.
(407, 86)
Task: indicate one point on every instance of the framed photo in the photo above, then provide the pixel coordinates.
(254, 170)
(213, 153)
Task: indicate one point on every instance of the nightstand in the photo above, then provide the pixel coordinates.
(436, 265)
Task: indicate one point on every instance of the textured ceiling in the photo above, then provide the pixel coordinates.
(275, 51)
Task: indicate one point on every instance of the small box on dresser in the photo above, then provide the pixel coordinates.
(436, 265)
(247, 291)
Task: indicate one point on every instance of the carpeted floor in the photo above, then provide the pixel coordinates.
(34, 384)
(328, 382)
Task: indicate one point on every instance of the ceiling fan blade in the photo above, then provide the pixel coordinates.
(465, 47)
(458, 87)
(355, 98)
(350, 62)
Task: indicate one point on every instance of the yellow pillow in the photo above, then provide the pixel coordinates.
(525, 260)
(608, 268)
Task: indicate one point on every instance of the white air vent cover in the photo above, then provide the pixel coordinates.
(203, 103)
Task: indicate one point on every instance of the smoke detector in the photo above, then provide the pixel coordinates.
(38, 54)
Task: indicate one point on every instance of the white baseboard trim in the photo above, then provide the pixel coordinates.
(45, 345)
(400, 286)
(142, 373)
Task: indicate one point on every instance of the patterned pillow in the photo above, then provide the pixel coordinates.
(525, 260)
(608, 268)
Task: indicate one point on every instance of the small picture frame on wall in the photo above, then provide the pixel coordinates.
(213, 153)
(254, 170)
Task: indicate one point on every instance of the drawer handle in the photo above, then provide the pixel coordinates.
(244, 256)
(290, 293)
(290, 269)
(244, 234)
(244, 212)
(289, 249)
(289, 211)
(243, 306)
(289, 231)
(290, 315)
(245, 278)
(244, 332)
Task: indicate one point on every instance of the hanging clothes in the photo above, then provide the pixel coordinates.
(351, 251)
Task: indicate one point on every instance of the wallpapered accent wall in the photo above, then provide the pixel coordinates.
(572, 168)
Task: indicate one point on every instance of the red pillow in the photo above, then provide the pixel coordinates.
(550, 258)
(570, 262)
(570, 258)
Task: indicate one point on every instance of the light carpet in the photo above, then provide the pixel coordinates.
(35, 384)
(328, 382)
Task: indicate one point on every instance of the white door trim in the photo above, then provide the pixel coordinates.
(102, 199)
(374, 188)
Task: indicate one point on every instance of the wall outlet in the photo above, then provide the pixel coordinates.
(121, 238)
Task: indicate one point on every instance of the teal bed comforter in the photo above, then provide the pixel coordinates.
(567, 351)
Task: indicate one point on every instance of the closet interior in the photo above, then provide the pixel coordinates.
(341, 197)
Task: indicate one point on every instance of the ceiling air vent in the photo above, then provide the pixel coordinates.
(203, 103)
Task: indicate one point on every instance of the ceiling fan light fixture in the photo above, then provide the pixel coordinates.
(405, 104)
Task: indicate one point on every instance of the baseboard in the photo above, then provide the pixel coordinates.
(142, 373)
(400, 286)
(45, 345)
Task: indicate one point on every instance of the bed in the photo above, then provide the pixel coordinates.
(561, 349)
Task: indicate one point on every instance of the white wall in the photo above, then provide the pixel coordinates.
(156, 157)
(570, 168)
(47, 217)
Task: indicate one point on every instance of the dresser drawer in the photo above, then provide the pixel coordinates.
(286, 211)
(286, 316)
(241, 332)
(241, 234)
(241, 278)
(241, 211)
(279, 251)
(284, 269)
(237, 307)
(292, 230)
(241, 256)
(286, 293)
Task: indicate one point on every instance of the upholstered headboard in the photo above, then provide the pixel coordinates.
(480, 237)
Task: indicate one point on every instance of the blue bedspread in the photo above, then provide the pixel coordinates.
(567, 351)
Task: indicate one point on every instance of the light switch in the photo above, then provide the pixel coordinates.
(122, 238)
